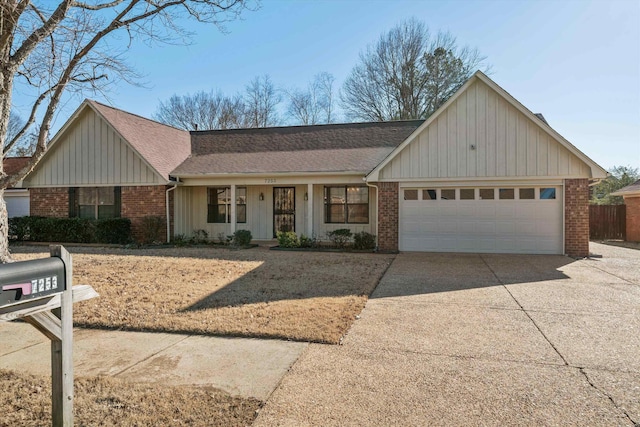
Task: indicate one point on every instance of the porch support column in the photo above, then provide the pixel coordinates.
(233, 208)
(310, 210)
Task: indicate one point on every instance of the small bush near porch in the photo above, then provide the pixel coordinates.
(253, 293)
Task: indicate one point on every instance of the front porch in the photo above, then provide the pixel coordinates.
(274, 206)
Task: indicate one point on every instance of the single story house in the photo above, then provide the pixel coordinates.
(16, 198)
(481, 174)
(631, 196)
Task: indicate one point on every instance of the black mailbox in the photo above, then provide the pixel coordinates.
(27, 280)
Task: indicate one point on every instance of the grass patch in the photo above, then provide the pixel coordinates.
(254, 293)
(26, 401)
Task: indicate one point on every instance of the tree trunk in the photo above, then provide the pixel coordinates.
(5, 256)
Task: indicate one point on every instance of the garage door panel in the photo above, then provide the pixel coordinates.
(509, 226)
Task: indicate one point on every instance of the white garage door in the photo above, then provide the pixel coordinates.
(494, 220)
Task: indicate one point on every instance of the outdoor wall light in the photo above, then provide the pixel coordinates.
(306, 196)
(261, 197)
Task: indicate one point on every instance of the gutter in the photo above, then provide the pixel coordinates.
(166, 203)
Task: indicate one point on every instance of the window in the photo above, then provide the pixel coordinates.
(346, 205)
(547, 193)
(428, 194)
(219, 205)
(467, 194)
(448, 194)
(527, 194)
(487, 194)
(506, 193)
(94, 202)
(411, 194)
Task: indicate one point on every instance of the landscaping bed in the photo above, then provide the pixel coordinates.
(26, 401)
(251, 293)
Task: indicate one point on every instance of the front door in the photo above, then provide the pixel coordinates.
(284, 209)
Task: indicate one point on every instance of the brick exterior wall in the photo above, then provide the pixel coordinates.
(576, 217)
(51, 202)
(388, 216)
(633, 218)
(141, 201)
(136, 203)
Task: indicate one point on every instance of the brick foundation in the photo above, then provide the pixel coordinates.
(137, 202)
(633, 218)
(576, 217)
(50, 202)
(388, 216)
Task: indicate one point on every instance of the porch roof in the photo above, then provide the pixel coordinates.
(351, 147)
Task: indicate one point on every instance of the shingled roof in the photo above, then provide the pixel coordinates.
(629, 190)
(350, 147)
(163, 147)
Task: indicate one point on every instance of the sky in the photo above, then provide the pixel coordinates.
(577, 62)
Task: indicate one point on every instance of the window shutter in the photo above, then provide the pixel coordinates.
(73, 202)
(117, 201)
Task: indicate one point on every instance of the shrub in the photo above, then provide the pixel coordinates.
(180, 240)
(242, 238)
(340, 237)
(364, 240)
(308, 242)
(223, 239)
(153, 229)
(71, 230)
(113, 230)
(200, 236)
(287, 239)
(20, 227)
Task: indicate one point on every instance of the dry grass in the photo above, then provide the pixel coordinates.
(256, 293)
(26, 401)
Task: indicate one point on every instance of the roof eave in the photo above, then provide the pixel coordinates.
(264, 174)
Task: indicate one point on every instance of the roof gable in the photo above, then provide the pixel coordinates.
(482, 131)
(163, 147)
(101, 145)
(351, 147)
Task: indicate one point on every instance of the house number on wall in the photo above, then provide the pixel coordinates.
(270, 181)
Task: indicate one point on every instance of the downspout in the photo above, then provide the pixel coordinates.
(166, 202)
(564, 220)
(377, 203)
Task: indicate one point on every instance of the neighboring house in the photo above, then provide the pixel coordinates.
(16, 198)
(631, 196)
(482, 174)
(105, 163)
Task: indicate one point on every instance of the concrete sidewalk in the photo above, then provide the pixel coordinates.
(455, 339)
(239, 366)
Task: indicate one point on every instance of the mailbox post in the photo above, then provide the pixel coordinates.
(41, 292)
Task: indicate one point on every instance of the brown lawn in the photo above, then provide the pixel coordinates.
(305, 296)
(26, 401)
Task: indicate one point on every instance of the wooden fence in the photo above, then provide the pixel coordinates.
(607, 222)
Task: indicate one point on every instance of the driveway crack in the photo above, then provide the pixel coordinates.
(525, 311)
(608, 396)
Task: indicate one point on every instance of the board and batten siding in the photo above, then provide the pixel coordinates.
(191, 213)
(506, 144)
(91, 153)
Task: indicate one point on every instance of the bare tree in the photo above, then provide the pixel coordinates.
(55, 49)
(18, 147)
(407, 74)
(203, 110)
(261, 100)
(315, 104)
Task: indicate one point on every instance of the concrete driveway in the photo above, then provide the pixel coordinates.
(452, 339)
